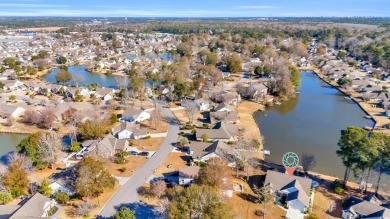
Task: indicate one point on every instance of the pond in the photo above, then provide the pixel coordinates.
(311, 123)
(8, 143)
(108, 81)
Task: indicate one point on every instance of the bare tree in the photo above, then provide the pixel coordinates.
(31, 117)
(191, 110)
(163, 208)
(9, 121)
(47, 118)
(243, 153)
(158, 188)
(264, 197)
(48, 145)
(77, 78)
(16, 158)
(56, 102)
(308, 162)
(84, 208)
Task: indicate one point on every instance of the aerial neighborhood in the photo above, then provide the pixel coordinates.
(105, 117)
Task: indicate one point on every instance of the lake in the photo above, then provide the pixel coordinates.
(311, 123)
(102, 79)
(8, 143)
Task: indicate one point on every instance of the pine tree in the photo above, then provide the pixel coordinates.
(45, 188)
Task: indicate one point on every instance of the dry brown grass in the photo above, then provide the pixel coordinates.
(177, 160)
(247, 122)
(132, 165)
(68, 211)
(161, 128)
(151, 144)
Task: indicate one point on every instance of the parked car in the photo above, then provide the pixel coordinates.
(143, 153)
(133, 152)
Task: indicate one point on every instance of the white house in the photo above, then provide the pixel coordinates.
(202, 104)
(369, 207)
(134, 115)
(58, 187)
(129, 130)
(187, 175)
(105, 93)
(223, 107)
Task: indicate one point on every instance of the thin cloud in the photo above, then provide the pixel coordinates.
(31, 5)
(256, 7)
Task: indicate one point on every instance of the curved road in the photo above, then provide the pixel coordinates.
(127, 195)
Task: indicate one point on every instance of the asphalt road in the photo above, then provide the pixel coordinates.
(127, 195)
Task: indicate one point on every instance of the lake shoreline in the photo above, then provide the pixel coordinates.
(320, 75)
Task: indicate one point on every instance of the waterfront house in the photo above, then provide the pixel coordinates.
(292, 190)
(105, 93)
(106, 147)
(13, 85)
(225, 116)
(369, 207)
(188, 174)
(203, 151)
(11, 110)
(129, 130)
(220, 131)
(134, 115)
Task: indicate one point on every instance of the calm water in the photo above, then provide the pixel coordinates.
(101, 79)
(8, 143)
(311, 123)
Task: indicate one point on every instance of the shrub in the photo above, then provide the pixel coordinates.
(61, 197)
(339, 190)
(206, 125)
(52, 210)
(122, 169)
(5, 198)
(120, 157)
(114, 118)
(146, 137)
(75, 147)
(313, 216)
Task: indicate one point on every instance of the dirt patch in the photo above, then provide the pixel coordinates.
(161, 128)
(132, 165)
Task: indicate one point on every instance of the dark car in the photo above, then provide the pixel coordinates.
(133, 152)
(143, 153)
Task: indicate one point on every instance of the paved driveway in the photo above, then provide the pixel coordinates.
(294, 214)
(127, 195)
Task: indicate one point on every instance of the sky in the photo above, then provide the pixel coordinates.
(195, 8)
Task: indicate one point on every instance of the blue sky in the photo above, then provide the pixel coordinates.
(195, 8)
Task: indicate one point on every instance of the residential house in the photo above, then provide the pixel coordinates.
(232, 98)
(294, 190)
(369, 207)
(188, 174)
(11, 110)
(106, 147)
(203, 151)
(220, 131)
(223, 107)
(257, 91)
(129, 130)
(105, 93)
(13, 85)
(134, 115)
(203, 104)
(229, 117)
(36, 206)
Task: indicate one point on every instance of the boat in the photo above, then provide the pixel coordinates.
(368, 128)
(367, 117)
(347, 98)
(266, 152)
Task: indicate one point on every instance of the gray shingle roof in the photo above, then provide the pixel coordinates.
(280, 181)
(34, 207)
